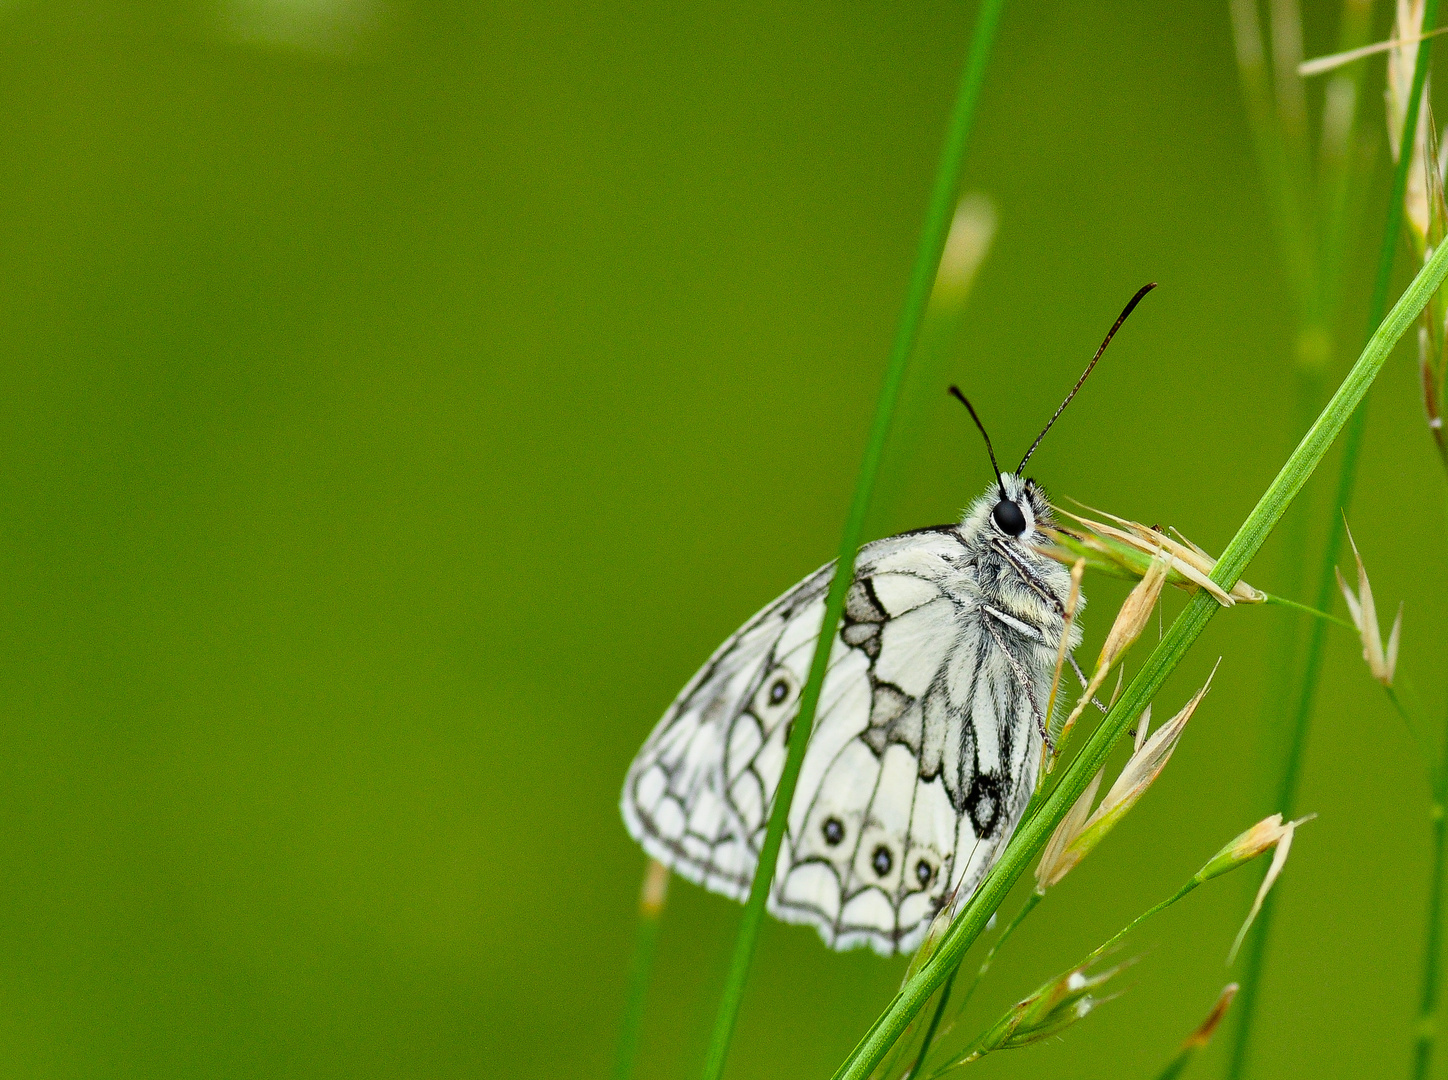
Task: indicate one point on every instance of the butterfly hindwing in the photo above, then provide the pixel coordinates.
(921, 760)
(697, 792)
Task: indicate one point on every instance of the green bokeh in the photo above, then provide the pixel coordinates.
(403, 399)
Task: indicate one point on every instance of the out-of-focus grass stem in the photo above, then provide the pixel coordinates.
(922, 277)
(1271, 147)
(1426, 1033)
(1426, 1036)
(1314, 240)
(652, 898)
(1341, 155)
(972, 229)
(1286, 800)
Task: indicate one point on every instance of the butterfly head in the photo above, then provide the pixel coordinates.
(1008, 516)
(1012, 507)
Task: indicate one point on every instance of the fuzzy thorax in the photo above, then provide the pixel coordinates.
(1006, 571)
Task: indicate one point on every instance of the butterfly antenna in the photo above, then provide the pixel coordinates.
(1130, 306)
(989, 449)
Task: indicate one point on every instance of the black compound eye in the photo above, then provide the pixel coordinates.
(1009, 518)
(882, 861)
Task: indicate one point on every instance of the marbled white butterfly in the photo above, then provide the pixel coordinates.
(928, 731)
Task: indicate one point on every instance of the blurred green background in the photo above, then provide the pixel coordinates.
(400, 402)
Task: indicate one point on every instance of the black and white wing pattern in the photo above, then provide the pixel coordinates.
(922, 760)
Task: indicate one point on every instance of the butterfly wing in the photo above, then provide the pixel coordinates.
(909, 797)
(921, 761)
(696, 794)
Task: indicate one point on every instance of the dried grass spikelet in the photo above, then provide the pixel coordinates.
(1134, 615)
(1130, 621)
(1082, 829)
(655, 891)
(971, 232)
(1402, 58)
(1073, 601)
(1053, 1008)
(1269, 833)
(1382, 662)
(1126, 549)
(1055, 864)
(1198, 1039)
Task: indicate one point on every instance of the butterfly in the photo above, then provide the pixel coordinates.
(928, 733)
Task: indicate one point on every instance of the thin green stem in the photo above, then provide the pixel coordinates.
(1185, 1056)
(1416, 731)
(1314, 612)
(934, 1025)
(1031, 835)
(1155, 909)
(1427, 1034)
(1026, 908)
(1030, 905)
(1091, 958)
(651, 911)
(927, 259)
(1317, 637)
(1178, 1064)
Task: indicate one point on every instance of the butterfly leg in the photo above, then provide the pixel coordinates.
(1024, 680)
(1085, 682)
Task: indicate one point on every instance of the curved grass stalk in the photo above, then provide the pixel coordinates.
(927, 259)
(1031, 836)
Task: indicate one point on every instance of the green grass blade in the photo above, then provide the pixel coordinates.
(927, 258)
(918, 1069)
(1286, 795)
(1033, 833)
